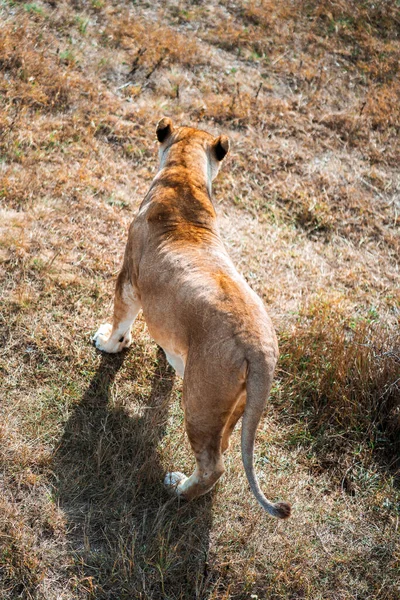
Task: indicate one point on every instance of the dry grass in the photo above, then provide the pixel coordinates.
(308, 204)
(354, 390)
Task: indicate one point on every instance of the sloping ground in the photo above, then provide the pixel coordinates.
(308, 201)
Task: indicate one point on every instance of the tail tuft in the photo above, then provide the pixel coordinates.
(282, 510)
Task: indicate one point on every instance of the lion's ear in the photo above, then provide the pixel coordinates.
(164, 129)
(221, 147)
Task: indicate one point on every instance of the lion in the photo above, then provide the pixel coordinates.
(213, 328)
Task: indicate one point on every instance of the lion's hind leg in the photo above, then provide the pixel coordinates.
(209, 464)
(234, 417)
(114, 338)
(209, 399)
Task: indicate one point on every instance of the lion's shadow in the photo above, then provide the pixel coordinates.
(129, 539)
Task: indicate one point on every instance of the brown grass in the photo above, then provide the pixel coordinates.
(355, 385)
(308, 207)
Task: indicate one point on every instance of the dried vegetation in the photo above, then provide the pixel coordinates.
(309, 93)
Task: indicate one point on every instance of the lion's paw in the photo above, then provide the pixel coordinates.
(111, 344)
(173, 480)
(102, 336)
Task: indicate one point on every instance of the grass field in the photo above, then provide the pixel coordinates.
(308, 203)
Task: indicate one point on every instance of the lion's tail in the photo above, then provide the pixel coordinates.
(257, 387)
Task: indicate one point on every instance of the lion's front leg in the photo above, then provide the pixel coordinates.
(114, 338)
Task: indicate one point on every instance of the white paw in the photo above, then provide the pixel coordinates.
(102, 336)
(173, 480)
(105, 342)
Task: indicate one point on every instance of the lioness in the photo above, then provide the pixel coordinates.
(213, 328)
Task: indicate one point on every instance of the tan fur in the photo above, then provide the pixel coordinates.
(213, 328)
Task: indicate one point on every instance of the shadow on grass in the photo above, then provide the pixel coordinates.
(128, 538)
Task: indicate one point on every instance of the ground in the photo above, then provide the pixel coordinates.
(308, 205)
